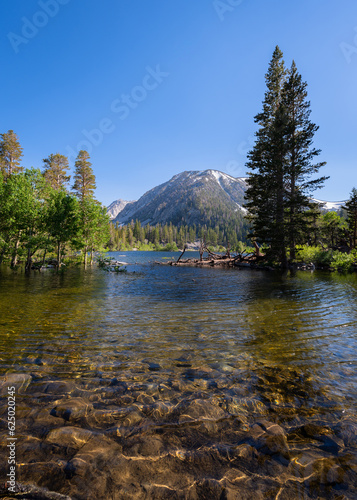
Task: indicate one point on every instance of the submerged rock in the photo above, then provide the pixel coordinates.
(73, 437)
(270, 439)
(72, 409)
(20, 382)
(199, 410)
(32, 492)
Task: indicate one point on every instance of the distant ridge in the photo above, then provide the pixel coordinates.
(116, 207)
(208, 197)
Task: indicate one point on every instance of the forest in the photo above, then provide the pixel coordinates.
(39, 216)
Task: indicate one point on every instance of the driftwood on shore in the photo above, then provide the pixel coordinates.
(214, 259)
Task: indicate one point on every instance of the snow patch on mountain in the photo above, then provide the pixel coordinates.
(187, 198)
(330, 205)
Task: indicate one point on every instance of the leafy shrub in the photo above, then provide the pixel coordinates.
(169, 247)
(337, 261)
(315, 254)
(343, 262)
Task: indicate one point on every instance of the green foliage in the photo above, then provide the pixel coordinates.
(343, 262)
(282, 163)
(10, 154)
(103, 261)
(332, 259)
(332, 228)
(62, 219)
(168, 236)
(315, 254)
(38, 216)
(351, 210)
(55, 171)
(109, 265)
(84, 179)
(170, 247)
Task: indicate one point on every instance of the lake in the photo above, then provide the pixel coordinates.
(168, 382)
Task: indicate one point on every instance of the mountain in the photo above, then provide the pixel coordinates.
(195, 197)
(330, 206)
(208, 197)
(116, 207)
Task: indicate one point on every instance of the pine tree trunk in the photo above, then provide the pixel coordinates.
(292, 191)
(281, 250)
(91, 256)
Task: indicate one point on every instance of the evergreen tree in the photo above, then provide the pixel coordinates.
(281, 163)
(265, 192)
(84, 179)
(89, 208)
(136, 230)
(331, 228)
(10, 154)
(299, 133)
(55, 171)
(351, 209)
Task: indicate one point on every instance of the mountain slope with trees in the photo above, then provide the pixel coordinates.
(208, 199)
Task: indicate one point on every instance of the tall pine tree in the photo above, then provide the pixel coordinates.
(10, 154)
(265, 161)
(93, 224)
(55, 171)
(351, 209)
(84, 179)
(281, 163)
(300, 155)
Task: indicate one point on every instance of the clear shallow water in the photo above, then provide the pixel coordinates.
(217, 382)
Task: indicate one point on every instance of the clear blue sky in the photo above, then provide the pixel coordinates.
(157, 87)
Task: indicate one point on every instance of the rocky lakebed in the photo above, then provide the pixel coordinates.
(215, 432)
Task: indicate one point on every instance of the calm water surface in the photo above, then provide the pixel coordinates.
(202, 383)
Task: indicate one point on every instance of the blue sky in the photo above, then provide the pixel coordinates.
(156, 87)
